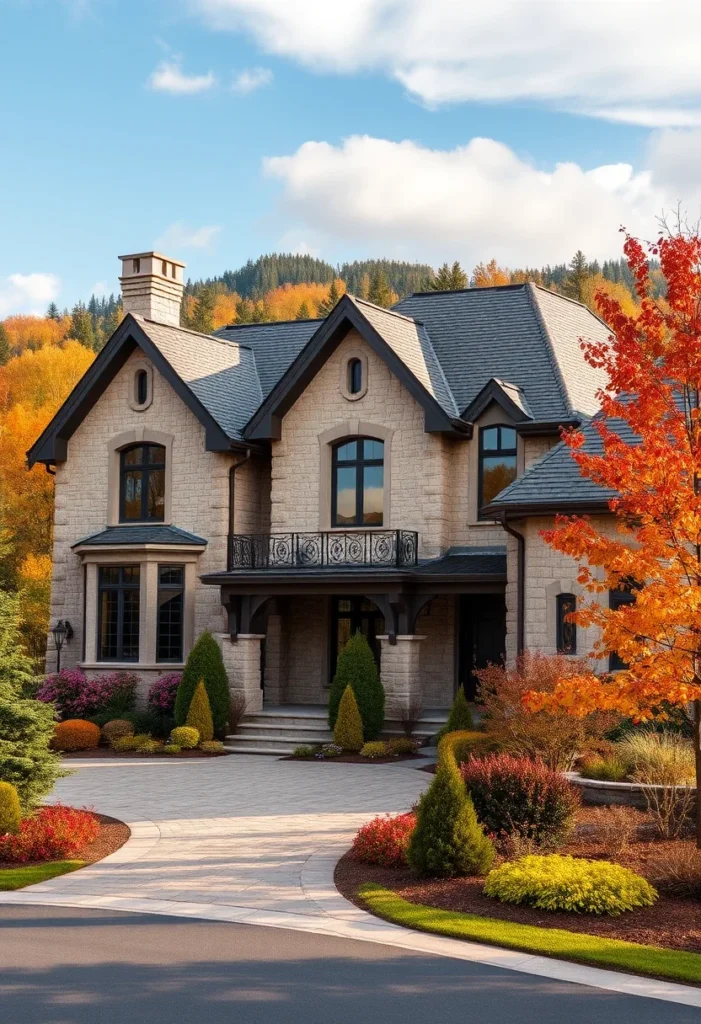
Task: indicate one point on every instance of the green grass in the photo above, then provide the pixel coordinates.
(30, 874)
(556, 942)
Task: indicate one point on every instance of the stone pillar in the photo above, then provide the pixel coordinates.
(400, 672)
(242, 664)
(275, 660)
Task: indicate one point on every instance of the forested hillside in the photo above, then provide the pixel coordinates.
(42, 357)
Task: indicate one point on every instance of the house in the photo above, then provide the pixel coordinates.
(285, 484)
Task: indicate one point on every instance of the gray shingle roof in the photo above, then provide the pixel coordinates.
(275, 345)
(518, 333)
(142, 535)
(222, 374)
(474, 562)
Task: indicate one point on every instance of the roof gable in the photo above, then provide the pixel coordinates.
(402, 343)
(508, 396)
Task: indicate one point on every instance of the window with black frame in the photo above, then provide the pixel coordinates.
(169, 633)
(497, 463)
(142, 483)
(118, 612)
(618, 599)
(357, 493)
(351, 615)
(566, 629)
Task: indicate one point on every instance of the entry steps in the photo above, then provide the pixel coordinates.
(278, 731)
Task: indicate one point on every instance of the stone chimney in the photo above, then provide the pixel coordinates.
(152, 286)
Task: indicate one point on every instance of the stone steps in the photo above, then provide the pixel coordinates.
(278, 731)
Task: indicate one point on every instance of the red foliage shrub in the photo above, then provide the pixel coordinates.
(384, 840)
(76, 734)
(515, 796)
(51, 834)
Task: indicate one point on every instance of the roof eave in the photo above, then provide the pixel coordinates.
(527, 509)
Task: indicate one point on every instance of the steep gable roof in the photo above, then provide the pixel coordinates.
(275, 345)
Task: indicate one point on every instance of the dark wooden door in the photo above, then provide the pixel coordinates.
(481, 636)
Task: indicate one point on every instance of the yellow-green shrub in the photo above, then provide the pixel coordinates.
(557, 882)
(10, 812)
(123, 743)
(212, 746)
(348, 731)
(463, 743)
(118, 727)
(171, 748)
(402, 745)
(150, 747)
(199, 715)
(375, 748)
(185, 736)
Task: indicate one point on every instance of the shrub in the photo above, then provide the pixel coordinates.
(306, 750)
(329, 751)
(237, 710)
(402, 745)
(448, 840)
(677, 871)
(185, 736)
(384, 840)
(171, 748)
(75, 734)
(517, 795)
(356, 668)
(604, 769)
(149, 746)
(554, 737)
(554, 882)
(115, 728)
(50, 834)
(199, 715)
(459, 716)
(212, 746)
(161, 695)
(666, 756)
(125, 743)
(76, 696)
(147, 721)
(464, 744)
(375, 748)
(10, 811)
(615, 827)
(205, 662)
(348, 730)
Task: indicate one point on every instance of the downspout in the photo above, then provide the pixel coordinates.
(232, 490)
(520, 583)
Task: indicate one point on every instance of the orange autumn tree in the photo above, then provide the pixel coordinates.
(650, 455)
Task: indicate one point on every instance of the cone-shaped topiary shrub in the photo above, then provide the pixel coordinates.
(200, 714)
(348, 731)
(356, 667)
(204, 662)
(459, 717)
(448, 841)
(10, 812)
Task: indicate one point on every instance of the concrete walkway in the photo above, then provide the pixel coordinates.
(255, 840)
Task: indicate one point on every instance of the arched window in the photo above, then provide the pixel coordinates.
(357, 494)
(497, 462)
(566, 630)
(142, 483)
(355, 376)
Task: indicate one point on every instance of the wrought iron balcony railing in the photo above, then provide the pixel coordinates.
(364, 549)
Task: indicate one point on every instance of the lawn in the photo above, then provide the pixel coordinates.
(30, 874)
(617, 954)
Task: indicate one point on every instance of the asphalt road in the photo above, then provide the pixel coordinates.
(65, 966)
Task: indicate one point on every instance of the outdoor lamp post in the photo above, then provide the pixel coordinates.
(62, 633)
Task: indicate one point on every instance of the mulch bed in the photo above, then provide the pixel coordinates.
(674, 923)
(356, 759)
(113, 834)
(125, 755)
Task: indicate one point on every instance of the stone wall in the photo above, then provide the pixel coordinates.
(438, 652)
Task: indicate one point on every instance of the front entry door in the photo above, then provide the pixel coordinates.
(482, 637)
(348, 616)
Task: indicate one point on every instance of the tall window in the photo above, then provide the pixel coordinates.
(618, 598)
(566, 630)
(497, 462)
(142, 485)
(118, 613)
(357, 496)
(355, 376)
(169, 638)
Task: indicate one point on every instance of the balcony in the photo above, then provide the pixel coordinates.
(370, 549)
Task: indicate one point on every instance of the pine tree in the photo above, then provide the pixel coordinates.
(328, 304)
(363, 289)
(81, 326)
(112, 320)
(202, 319)
(577, 274)
(380, 292)
(356, 667)
(204, 662)
(448, 841)
(348, 731)
(459, 717)
(5, 350)
(52, 312)
(199, 714)
(26, 725)
(303, 312)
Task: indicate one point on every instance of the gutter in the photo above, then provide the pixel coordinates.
(520, 583)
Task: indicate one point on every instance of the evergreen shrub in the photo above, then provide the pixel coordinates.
(115, 728)
(356, 668)
(185, 736)
(348, 731)
(10, 811)
(205, 662)
(199, 715)
(459, 716)
(76, 734)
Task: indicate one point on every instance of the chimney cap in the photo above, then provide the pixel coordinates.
(154, 255)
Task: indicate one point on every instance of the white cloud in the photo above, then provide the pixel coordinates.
(28, 293)
(179, 236)
(251, 79)
(631, 60)
(299, 243)
(482, 199)
(99, 289)
(170, 77)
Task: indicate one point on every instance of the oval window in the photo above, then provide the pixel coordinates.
(355, 376)
(141, 388)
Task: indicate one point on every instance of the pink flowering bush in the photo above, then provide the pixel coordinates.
(384, 840)
(76, 696)
(161, 696)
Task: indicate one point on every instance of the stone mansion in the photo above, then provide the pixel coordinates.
(285, 484)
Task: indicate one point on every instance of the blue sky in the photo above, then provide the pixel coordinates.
(222, 129)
